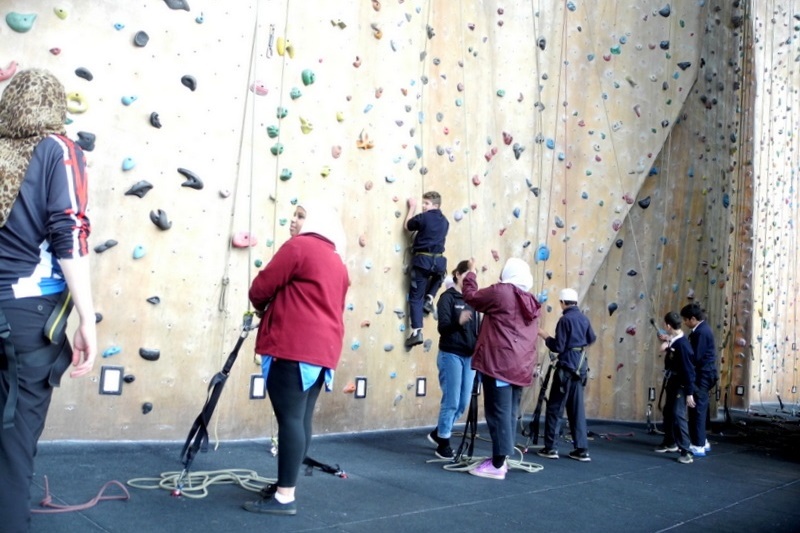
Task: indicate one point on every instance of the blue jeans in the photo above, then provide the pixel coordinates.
(455, 379)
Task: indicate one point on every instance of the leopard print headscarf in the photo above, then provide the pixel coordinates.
(33, 105)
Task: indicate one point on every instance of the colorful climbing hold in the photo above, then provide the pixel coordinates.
(128, 163)
(295, 93)
(138, 252)
(113, 350)
(243, 239)
(308, 77)
(285, 175)
(128, 100)
(76, 103)
(19, 22)
(258, 87)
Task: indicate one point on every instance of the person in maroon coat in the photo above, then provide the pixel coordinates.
(301, 293)
(505, 354)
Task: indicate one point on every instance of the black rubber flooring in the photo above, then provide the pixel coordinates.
(742, 485)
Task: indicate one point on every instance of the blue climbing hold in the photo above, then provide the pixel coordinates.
(138, 252)
(20, 23)
(542, 253)
(114, 350)
(516, 212)
(128, 100)
(611, 308)
(726, 200)
(551, 143)
(128, 163)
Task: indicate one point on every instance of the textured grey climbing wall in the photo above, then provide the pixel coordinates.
(610, 144)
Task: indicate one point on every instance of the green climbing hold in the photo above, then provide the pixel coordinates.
(308, 77)
(281, 112)
(286, 174)
(277, 149)
(501, 93)
(258, 263)
(616, 50)
(20, 23)
(295, 93)
(272, 131)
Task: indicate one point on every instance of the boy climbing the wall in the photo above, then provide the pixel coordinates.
(428, 265)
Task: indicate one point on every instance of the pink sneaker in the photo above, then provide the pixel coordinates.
(486, 469)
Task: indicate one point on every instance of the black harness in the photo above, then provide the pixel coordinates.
(53, 330)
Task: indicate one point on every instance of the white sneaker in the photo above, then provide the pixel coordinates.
(697, 451)
(707, 447)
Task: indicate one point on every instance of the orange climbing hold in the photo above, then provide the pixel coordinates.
(364, 142)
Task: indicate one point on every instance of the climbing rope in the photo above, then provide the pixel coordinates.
(195, 485)
(465, 464)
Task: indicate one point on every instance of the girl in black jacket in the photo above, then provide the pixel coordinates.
(458, 330)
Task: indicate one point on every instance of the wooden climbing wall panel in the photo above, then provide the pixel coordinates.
(547, 126)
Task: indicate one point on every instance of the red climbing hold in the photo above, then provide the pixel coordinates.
(10, 70)
(244, 239)
(507, 138)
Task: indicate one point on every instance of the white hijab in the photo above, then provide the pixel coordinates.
(324, 220)
(517, 273)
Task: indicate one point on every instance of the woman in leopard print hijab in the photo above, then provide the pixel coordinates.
(33, 105)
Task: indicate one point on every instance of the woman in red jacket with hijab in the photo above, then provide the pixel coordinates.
(505, 354)
(301, 292)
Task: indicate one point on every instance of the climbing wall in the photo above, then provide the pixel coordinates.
(770, 295)
(586, 137)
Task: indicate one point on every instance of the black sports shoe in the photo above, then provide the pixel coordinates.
(580, 454)
(547, 453)
(433, 437)
(414, 339)
(444, 451)
(271, 506)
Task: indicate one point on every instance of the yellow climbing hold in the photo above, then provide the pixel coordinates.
(280, 44)
(305, 126)
(76, 103)
(325, 172)
(339, 116)
(61, 12)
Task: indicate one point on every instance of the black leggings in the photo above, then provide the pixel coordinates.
(294, 409)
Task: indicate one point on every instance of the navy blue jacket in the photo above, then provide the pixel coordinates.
(47, 222)
(455, 338)
(679, 365)
(572, 331)
(705, 356)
